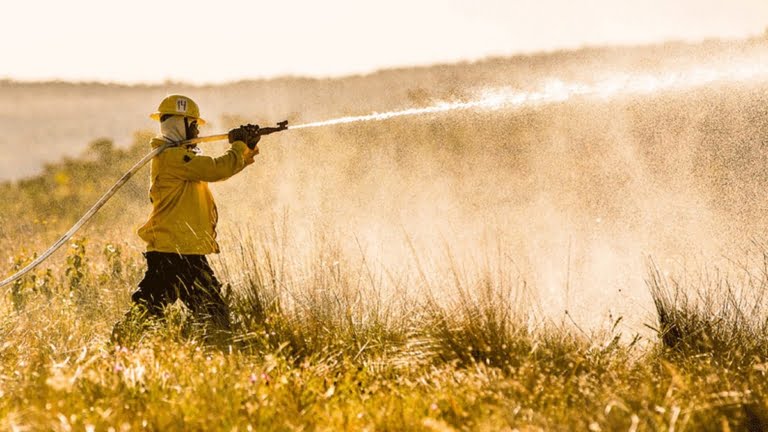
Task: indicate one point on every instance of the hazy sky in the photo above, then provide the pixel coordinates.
(155, 40)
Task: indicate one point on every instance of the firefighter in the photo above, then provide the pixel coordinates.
(181, 230)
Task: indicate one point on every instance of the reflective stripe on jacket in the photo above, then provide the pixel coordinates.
(184, 215)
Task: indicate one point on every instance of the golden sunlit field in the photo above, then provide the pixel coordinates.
(583, 262)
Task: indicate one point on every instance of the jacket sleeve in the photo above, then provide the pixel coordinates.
(190, 166)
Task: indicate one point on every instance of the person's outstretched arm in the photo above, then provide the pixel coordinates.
(187, 165)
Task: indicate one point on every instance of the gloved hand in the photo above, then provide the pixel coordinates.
(250, 154)
(249, 134)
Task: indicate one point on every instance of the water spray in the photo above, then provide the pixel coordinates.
(556, 90)
(553, 92)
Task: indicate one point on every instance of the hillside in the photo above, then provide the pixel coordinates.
(54, 120)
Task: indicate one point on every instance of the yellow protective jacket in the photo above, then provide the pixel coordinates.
(184, 215)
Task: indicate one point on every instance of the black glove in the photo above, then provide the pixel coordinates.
(249, 134)
(236, 134)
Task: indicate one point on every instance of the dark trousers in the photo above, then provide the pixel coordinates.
(190, 278)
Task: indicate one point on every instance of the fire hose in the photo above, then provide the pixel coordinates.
(281, 126)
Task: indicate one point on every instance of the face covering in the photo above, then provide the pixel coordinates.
(172, 129)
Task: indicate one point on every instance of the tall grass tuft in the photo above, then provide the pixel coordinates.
(327, 307)
(481, 325)
(712, 314)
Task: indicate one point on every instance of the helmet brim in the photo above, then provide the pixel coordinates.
(156, 117)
